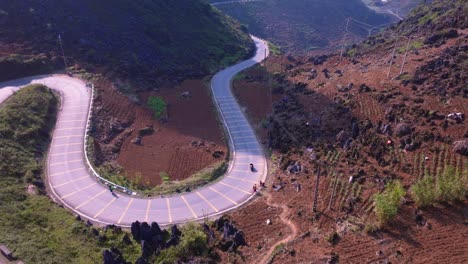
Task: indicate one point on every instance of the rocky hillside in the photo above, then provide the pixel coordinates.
(154, 39)
(303, 25)
(352, 133)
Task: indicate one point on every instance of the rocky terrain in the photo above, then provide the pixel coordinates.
(342, 130)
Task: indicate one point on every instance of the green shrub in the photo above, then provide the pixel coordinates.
(451, 185)
(423, 191)
(158, 105)
(370, 228)
(15, 66)
(274, 49)
(388, 202)
(164, 177)
(193, 243)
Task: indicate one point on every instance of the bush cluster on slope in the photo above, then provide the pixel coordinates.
(388, 202)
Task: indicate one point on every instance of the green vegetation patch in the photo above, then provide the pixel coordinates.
(388, 202)
(158, 38)
(15, 66)
(193, 243)
(423, 191)
(274, 49)
(158, 106)
(164, 177)
(167, 187)
(451, 186)
(417, 44)
(33, 227)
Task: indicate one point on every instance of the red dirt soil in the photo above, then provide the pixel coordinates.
(260, 237)
(442, 239)
(169, 149)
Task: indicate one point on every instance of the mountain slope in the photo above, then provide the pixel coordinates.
(302, 25)
(393, 109)
(150, 38)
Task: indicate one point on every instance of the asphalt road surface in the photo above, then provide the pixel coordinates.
(71, 183)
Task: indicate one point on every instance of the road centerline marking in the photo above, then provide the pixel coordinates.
(90, 199)
(148, 205)
(67, 145)
(234, 187)
(64, 172)
(188, 205)
(245, 137)
(208, 202)
(68, 128)
(246, 143)
(234, 127)
(125, 211)
(242, 131)
(105, 207)
(69, 121)
(63, 153)
(168, 203)
(70, 136)
(75, 180)
(77, 113)
(222, 195)
(237, 178)
(65, 162)
(79, 190)
(243, 171)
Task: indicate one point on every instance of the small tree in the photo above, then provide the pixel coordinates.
(451, 185)
(423, 191)
(388, 202)
(158, 105)
(164, 177)
(193, 243)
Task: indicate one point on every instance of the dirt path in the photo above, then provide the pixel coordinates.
(285, 220)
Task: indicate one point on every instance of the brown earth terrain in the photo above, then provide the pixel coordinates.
(179, 147)
(317, 101)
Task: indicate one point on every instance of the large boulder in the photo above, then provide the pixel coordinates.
(402, 129)
(136, 231)
(113, 256)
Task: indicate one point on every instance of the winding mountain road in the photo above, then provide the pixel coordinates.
(72, 183)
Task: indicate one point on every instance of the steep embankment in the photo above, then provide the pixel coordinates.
(303, 25)
(155, 39)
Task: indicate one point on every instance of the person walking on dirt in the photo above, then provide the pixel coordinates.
(262, 184)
